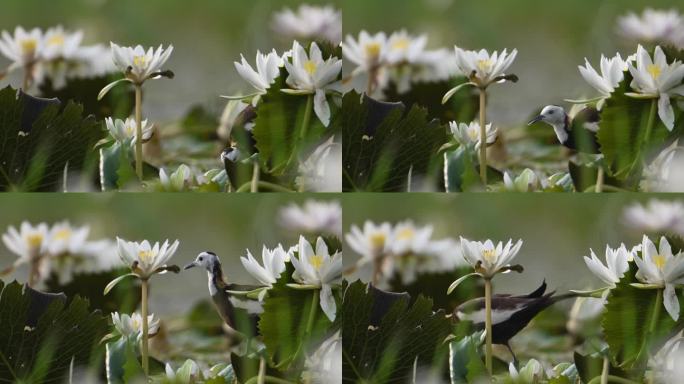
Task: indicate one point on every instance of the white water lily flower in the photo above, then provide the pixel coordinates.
(188, 373)
(27, 243)
(658, 216)
(660, 268)
(371, 242)
(130, 326)
(531, 373)
(309, 73)
(139, 65)
(488, 259)
(469, 134)
(319, 269)
(662, 175)
(409, 238)
(320, 171)
(657, 79)
(267, 70)
(368, 52)
(324, 366)
(309, 23)
(145, 259)
(124, 131)
(666, 365)
(405, 48)
(612, 73)
(483, 68)
(313, 217)
(527, 181)
(23, 48)
(617, 263)
(274, 265)
(653, 27)
(179, 180)
(61, 44)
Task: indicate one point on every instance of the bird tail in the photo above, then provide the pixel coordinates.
(566, 296)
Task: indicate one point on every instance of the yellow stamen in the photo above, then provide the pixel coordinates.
(310, 67)
(28, 45)
(484, 65)
(489, 255)
(377, 240)
(655, 71)
(659, 261)
(140, 61)
(34, 240)
(373, 50)
(63, 234)
(130, 130)
(474, 134)
(406, 234)
(56, 40)
(145, 256)
(316, 261)
(135, 323)
(401, 44)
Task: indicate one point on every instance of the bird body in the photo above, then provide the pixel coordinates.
(578, 132)
(239, 313)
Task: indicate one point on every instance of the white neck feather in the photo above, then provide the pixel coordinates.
(561, 133)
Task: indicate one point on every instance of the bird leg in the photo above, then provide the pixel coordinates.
(515, 359)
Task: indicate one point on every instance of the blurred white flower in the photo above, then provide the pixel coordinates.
(130, 326)
(367, 53)
(661, 174)
(371, 242)
(28, 243)
(139, 65)
(230, 117)
(617, 263)
(267, 70)
(656, 217)
(181, 179)
(23, 48)
(318, 268)
(124, 131)
(653, 27)
(612, 73)
(59, 43)
(273, 265)
(188, 373)
(667, 365)
(310, 74)
(145, 259)
(309, 23)
(469, 134)
(320, 171)
(532, 372)
(656, 79)
(409, 238)
(405, 48)
(660, 268)
(313, 217)
(527, 181)
(489, 259)
(324, 366)
(482, 68)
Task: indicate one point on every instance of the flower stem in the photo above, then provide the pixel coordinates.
(600, 178)
(606, 370)
(28, 74)
(656, 312)
(145, 336)
(312, 312)
(34, 271)
(138, 132)
(307, 117)
(483, 137)
(651, 122)
(254, 188)
(488, 325)
(372, 80)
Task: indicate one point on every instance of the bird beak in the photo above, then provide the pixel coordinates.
(536, 120)
(190, 265)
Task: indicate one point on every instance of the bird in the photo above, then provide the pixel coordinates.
(240, 314)
(510, 314)
(578, 132)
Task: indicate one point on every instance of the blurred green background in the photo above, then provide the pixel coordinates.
(226, 226)
(557, 230)
(552, 37)
(208, 36)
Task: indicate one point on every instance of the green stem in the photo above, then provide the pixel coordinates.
(138, 132)
(262, 371)
(650, 124)
(312, 312)
(606, 370)
(488, 325)
(268, 379)
(612, 379)
(600, 178)
(255, 177)
(265, 185)
(656, 312)
(145, 336)
(483, 137)
(307, 117)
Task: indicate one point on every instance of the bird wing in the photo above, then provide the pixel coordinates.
(583, 130)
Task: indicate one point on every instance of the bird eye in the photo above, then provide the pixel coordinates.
(551, 112)
(200, 258)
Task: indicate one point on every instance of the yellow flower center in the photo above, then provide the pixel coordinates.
(316, 261)
(140, 61)
(373, 50)
(56, 40)
(63, 234)
(130, 130)
(34, 240)
(310, 67)
(489, 255)
(659, 261)
(135, 323)
(406, 234)
(655, 71)
(145, 256)
(484, 65)
(378, 240)
(401, 44)
(473, 134)
(28, 45)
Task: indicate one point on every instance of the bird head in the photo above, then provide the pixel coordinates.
(206, 260)
(552, 115)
